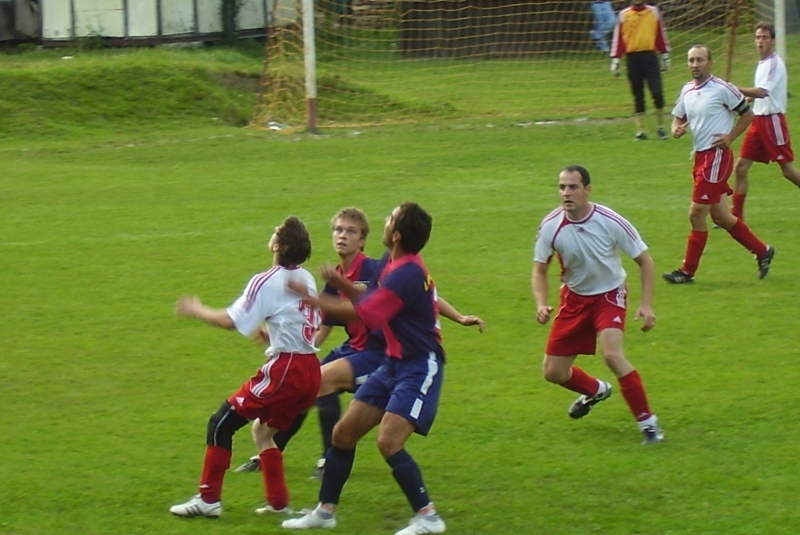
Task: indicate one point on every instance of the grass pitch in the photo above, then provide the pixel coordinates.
(106, 394)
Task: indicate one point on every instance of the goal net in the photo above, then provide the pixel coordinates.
(391, 61)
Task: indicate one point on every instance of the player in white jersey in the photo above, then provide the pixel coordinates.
(285, 386)
(767, 139)
(587, 237)
(706, 105)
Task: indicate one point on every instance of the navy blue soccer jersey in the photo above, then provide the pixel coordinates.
(405, 308)
(363, 273)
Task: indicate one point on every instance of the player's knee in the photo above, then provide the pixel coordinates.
(343, 437)
(388, 445)
(614, 358)
(222, 425)
(555, 376)
(741, 167)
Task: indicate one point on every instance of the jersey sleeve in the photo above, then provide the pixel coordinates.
(679, 110)
(628, 238)
(398, 289)
(248, 312)
(768, 82)
(378, 307)
(733, 97)
(543, 247)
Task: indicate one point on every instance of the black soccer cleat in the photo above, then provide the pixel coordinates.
(581, 406)
(765, 261)
(678, 277)
(253, 464)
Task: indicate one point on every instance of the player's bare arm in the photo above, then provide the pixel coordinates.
(192, 307)
(328, 304)
(647, 272)
(540, 292)
(753, 92)
(322, 334)
(726, 140)
(449, 311)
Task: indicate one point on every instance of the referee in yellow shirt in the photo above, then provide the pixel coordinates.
(639, 34)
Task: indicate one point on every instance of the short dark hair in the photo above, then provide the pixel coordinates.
(414, 225)
(294, 242)
(581, 170)
(763, 25)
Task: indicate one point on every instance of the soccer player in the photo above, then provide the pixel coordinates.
(587, 238)
(639, 34)
(347, 365)
(706, 106)
(286, 385)
(767, 139)
(402, 396)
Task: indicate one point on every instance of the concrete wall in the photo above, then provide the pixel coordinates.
(151, 19)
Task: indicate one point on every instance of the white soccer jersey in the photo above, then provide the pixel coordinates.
(588, 249)
(771, 77)
(709, 108)
(291, 321)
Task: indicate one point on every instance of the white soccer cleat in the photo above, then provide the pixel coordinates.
(319, 469)
(267, 508)
(422, 524)
(312, 520)
(197, 507)
(651, 431)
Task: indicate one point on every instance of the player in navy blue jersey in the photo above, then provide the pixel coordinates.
(402, 396)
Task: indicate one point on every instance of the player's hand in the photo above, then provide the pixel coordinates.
(187, 305)
(678, 130)
(665, 63)
(543, 314)
(615, 67)
(331, 276)
(648, 315)
(466, 321)
(721, 141)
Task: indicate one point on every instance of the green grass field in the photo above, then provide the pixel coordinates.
(106, 394)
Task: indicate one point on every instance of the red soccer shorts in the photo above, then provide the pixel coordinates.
(284, 387)
(581, 317)
(712, 169)
(767, 140)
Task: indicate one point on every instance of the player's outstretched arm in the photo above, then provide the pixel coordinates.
(448, 311)
(329, 304)
(192, 307)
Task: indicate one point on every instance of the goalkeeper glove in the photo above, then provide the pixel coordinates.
(665, 63)
(615, 67)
